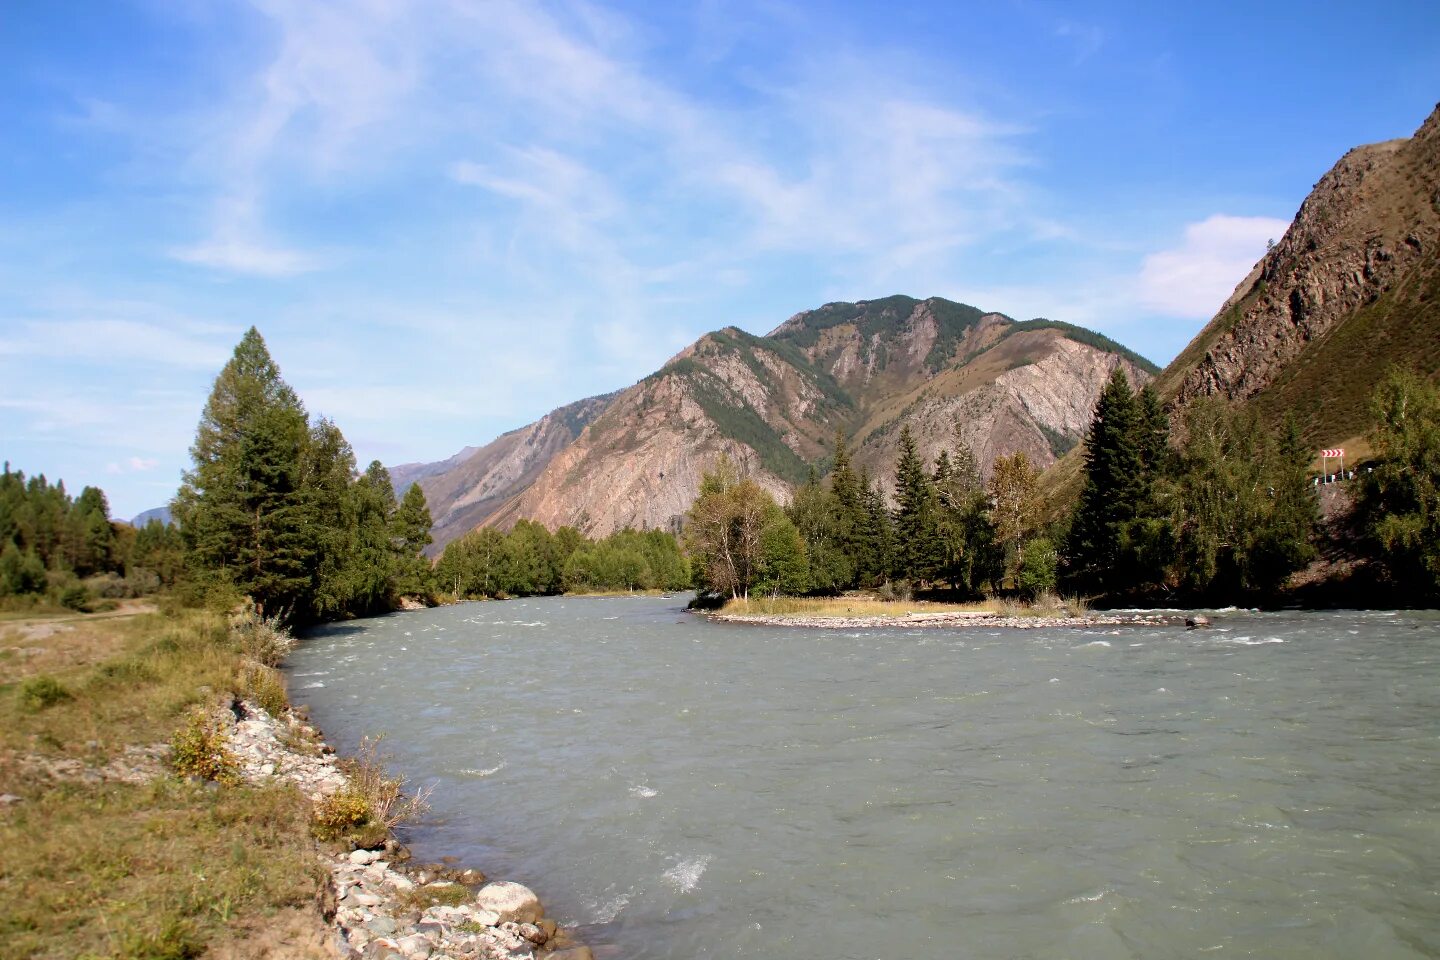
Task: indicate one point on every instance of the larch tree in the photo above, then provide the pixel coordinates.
(240, 507)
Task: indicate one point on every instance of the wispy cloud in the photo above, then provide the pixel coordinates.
(1193, 279)
(132, 465)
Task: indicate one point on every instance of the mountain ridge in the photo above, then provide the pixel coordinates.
(774, 404)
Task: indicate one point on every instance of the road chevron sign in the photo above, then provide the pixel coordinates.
(1337, 452)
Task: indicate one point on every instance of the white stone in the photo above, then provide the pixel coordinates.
(401, 882)
(363, 857)
(510, 901)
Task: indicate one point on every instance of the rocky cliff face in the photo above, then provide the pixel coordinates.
(773, 404)
(1351, 288)
(466, 489)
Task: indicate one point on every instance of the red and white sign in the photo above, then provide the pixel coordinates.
(1337, 452)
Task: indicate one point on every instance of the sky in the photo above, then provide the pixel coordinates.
(447, 217)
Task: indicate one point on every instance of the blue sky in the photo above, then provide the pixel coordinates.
(450, 216)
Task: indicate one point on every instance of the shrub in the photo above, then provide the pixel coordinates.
(262, 639)
(265, 687)
(43, 691)
(1038, 561)
(198, 750)
(341, 813)
(383, 793)
(74, 597)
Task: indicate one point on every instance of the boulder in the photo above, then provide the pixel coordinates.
(510, 901)
(1197, 622)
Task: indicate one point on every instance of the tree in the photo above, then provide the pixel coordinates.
(782, 567)
(1014, 504)
(1248, 514)
(723, 530)
(1036, 574)
(240, 508)
(968, 553)
(1114, 470)
(410, 535)
(919, 551)
(1400, 497)
(811, 511)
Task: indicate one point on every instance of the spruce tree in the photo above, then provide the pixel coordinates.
(1115, 450)
(918, 546)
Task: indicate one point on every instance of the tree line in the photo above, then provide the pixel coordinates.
(275, 509)
(1222, 509)
(530, 561)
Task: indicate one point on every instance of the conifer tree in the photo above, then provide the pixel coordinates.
(410, 535)
(917, 532)
(241, 507)
(1115, 450)
(967, 538)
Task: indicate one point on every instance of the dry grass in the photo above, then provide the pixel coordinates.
(151, 870)
(849, 606)
(874, 607)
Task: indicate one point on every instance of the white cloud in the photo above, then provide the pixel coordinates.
(132, 465)
(1194, 279)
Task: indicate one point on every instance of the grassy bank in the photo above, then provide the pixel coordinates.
(867, 606)
(108, 854)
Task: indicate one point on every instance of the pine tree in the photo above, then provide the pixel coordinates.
(967, 538)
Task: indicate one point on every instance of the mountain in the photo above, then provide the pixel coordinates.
(1352, 288)
(466, 489)
(154, 513)
(774, 404)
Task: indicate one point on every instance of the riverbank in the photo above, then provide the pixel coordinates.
(859, 613)
(159, 798)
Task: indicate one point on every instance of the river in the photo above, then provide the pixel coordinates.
(686, 789)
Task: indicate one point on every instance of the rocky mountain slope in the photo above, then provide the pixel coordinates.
(466, 489)
(773, 404)
(1352, 287)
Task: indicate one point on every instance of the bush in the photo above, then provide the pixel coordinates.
(40, 692)
(262, 639)
(341, 813)
(198, 750)
(74, 597)
(1038, 560)
(383, 793)
(265, 687)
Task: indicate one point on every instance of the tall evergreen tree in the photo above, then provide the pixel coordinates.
(967, 539)
(1116, 447)
(410, 535)
(918, 548)
(240, 507)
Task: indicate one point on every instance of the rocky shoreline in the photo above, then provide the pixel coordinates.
(952, 619)
(378, 904)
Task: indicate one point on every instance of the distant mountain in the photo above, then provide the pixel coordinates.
(773, 404)
(154, 513)
(466, 489)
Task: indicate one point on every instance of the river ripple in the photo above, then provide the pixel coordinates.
(688, 789)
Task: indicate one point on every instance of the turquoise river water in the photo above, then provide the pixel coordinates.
(678, 788)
